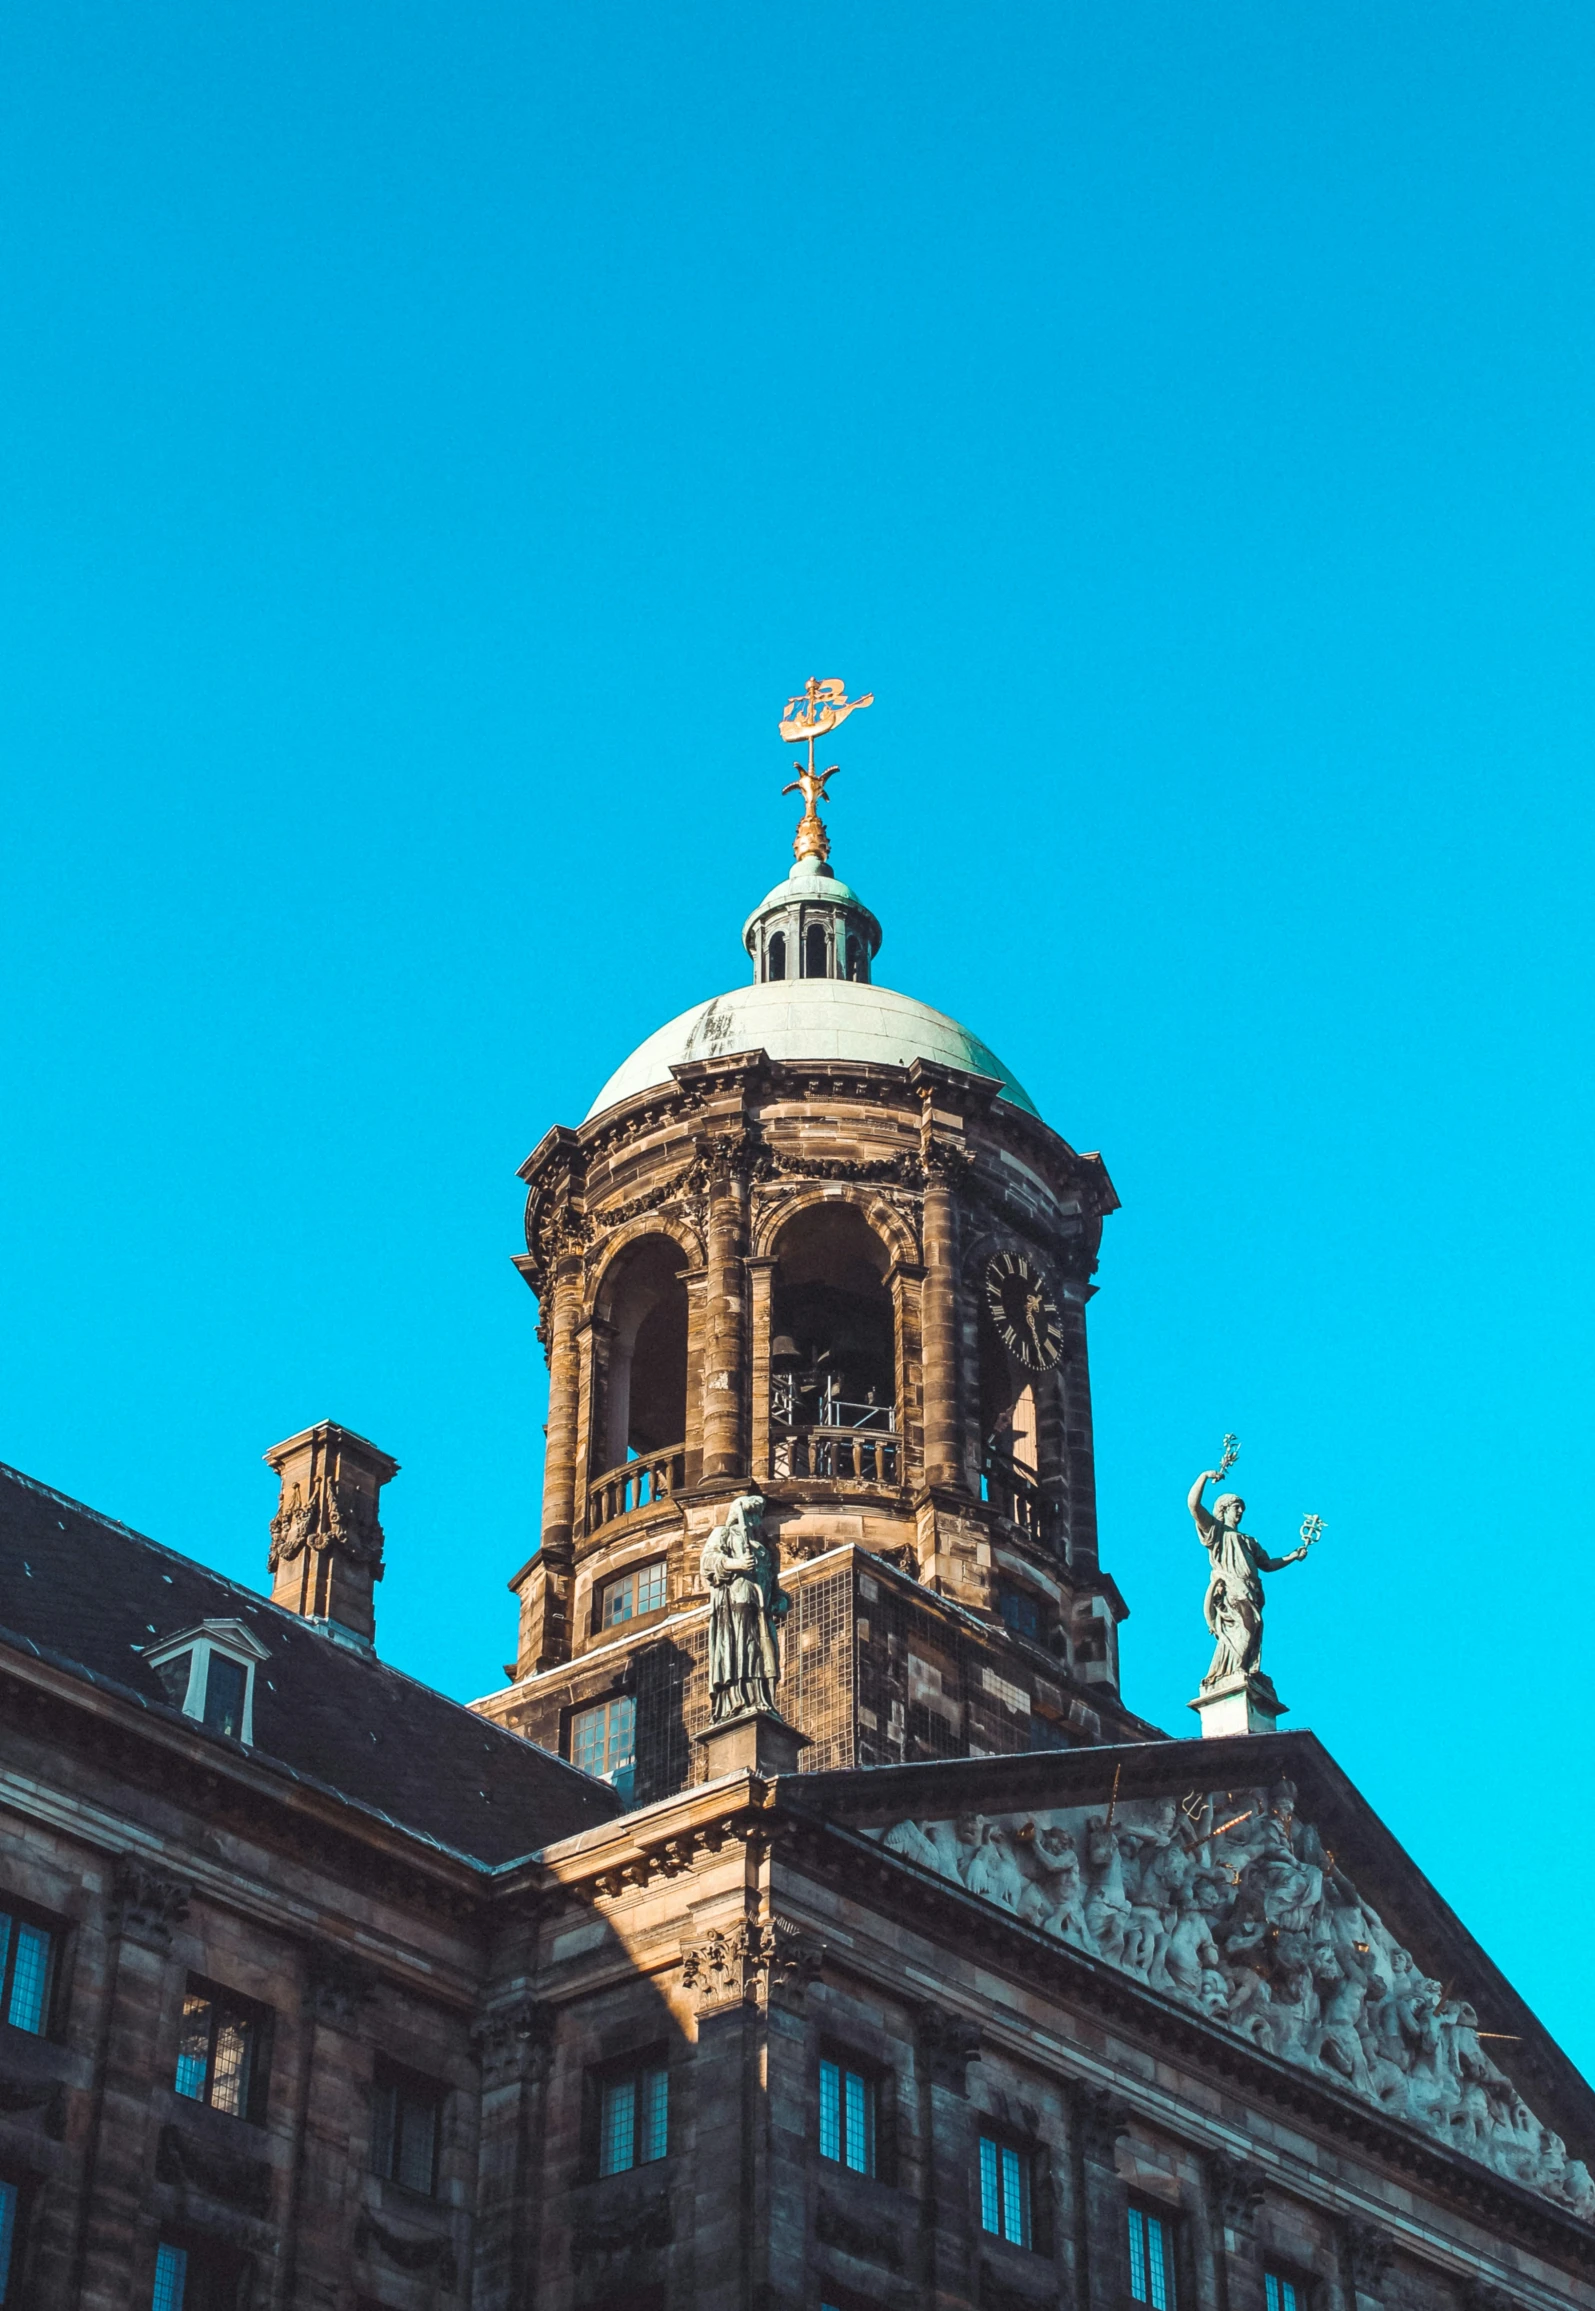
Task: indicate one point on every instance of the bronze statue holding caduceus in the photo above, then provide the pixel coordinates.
(1233, 1606)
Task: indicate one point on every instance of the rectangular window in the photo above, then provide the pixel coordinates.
(603, 1740)
(404, 2138)
(219, 2051)
(27, 1964)
(226, 1685)
(633, 1593)
(10, 2203)
(847, 2117)
(1151, 2260)
(1021, 1611)
(1004, 2191)
(1282, 2294)
(633, 2119)
(171, 2278)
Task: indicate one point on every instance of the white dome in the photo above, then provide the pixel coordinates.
(808, 1019)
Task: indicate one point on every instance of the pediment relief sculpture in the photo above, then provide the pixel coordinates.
(1231, 1904)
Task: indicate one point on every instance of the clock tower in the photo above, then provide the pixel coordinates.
(813, 1241)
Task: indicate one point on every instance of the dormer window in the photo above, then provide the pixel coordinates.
(209, 1673)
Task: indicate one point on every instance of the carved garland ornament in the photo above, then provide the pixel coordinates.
(752, 1963)
(1230, 1904)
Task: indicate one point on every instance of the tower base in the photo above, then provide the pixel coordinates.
(1239, 1704)
(756, 1742)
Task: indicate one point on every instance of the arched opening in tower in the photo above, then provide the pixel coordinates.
(814, 958)
(832, 1345)
(644, 1301)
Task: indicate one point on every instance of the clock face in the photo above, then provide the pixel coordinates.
(1024, 1311)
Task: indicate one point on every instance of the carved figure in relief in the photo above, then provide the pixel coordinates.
(1233, 1605)
(1233, 1906)
(1107, 1907)
(746, 1608)
(1055, 1897)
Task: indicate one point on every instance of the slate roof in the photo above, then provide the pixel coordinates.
(88, 1595)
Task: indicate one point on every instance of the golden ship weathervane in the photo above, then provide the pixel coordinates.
(820, 707)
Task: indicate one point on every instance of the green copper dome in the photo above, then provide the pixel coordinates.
(809, 1019)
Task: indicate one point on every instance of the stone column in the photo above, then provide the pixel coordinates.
(761, 1280)
(943, 1456)
(905, 1281)
(591, 1449)
(1231, 2197)
(725, 1313)
(139, 2049)
(564, 1385)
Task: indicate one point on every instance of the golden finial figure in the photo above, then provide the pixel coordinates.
(819, 708)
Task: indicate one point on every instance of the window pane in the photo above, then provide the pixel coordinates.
(8, 2235)
(1015, 2212)
(224, 1696)
(416, 2164)
(384, 2129)
(193, 2049)
(651, 1588)
(860, 2126)
(617, 2127)
(990, 2198)
(229, 2077)
(1160, 2288)
(617, 1601)
(1282, 2294)
(174, 1678)
(622, 1723)
(830, 2111)
(171, 2279)
(30, 1980)
(655, 2129)
(1137, 2255)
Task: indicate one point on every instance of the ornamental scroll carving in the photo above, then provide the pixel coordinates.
(1231, 1904)
(756, 1962)
(331, 1516)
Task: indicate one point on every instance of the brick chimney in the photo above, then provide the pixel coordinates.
(326, 1542)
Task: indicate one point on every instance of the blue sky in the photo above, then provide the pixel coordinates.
(435, 442)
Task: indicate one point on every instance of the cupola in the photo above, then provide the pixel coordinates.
(812, 926)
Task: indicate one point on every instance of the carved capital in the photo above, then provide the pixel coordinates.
(338, 1986)
(948, 2044)
(1236, 2187)
(145, 1903)
(514, 2042)
(756, 1962)
(1100, 2118)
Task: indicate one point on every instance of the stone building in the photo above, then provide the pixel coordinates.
(947, 1982)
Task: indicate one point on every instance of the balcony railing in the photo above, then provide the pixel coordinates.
(1014, 1493)
(636, 1484)
(853, 1454)
(797, 1407)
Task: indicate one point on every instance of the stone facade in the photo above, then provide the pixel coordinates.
(319, 1992)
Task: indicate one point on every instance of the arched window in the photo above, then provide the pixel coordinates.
(855, 956)
(775, 957)
(814, 952)
(645, 1301)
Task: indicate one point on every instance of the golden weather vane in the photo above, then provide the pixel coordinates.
(819, 708)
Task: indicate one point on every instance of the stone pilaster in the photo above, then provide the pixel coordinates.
(514, 2045)
(143, 1994)
(761, 1274)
